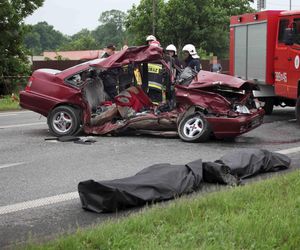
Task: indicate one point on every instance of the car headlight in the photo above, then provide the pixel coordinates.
(242, 109)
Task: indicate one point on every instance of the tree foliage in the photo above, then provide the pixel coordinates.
(43, 37)
(83, 40)
(204, 23)
(111, 28)
(140, 20)
(13, 60)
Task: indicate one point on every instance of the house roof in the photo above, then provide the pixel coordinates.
(74, 55)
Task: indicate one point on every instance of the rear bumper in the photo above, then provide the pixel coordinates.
(33, 102)
(231, 127)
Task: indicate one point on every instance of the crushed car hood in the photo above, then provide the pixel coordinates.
(206, 79)
(140, 54)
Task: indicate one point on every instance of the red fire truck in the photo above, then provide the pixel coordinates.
(265, 48)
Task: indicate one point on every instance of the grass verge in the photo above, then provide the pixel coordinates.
(262, 215)
(9, 103)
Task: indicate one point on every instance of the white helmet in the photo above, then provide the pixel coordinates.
(172, 47)
(151, 38)
(190, 48)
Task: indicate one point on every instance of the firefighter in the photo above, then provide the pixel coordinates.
(172, 52)
(110, 78)
(191, 57)
(155, 82)
(155, 76)
(150, 39)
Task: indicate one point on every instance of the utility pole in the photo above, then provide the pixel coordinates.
(153, 17)
(290, 4)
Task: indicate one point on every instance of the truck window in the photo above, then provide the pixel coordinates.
(296, 27)
(283, 24)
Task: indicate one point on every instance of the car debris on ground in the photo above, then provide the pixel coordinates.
(87, 140)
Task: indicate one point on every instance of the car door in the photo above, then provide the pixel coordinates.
(294, 61)
(281, 63)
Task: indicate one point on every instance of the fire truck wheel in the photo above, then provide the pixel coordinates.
(298, 110)
(269, 105)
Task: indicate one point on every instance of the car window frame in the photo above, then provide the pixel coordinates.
(281, 32)
(70, 82)
(297, 28)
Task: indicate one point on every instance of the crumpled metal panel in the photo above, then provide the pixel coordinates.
(142, 54)
(206, 79)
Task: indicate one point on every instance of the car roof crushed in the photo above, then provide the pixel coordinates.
(142, 54)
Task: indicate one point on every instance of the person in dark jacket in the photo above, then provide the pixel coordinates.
(172, 52)
(110, 78)
(191, 57)
(109, 51)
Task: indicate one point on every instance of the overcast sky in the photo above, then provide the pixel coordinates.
(70, 16)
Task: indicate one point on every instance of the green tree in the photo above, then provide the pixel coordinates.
(111, 28)
(139, 21)
(179, 21)
(83, 40)
(81, 33)
(13, 60)
(42, 37)
(32, 42)
(205, 23)
(217, 14)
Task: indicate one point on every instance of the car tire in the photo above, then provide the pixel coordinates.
(194, 128)
(297, 110)
(269, 106)
(63, 121)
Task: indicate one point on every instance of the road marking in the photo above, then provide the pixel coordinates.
(16, 112)
(22, 125)
(4, 115)
(289, 151)
(38, 203)
(11, 165)
(74, 195)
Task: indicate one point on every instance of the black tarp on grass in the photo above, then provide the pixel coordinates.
(163, 182)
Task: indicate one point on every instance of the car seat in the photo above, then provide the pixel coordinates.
(94, 93)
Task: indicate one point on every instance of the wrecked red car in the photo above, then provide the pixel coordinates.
(193, 106)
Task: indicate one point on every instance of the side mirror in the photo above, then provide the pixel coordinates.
(288, 36)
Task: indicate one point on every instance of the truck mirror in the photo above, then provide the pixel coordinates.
(288, 36)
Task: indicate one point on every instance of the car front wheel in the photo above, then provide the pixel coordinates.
(64, 120)
(194, 128)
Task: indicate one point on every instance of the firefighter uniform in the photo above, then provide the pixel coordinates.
(155, 86)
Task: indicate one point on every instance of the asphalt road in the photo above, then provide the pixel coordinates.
(38, 178)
